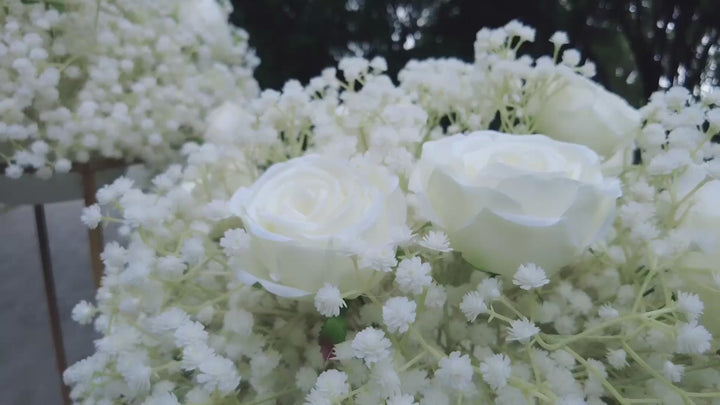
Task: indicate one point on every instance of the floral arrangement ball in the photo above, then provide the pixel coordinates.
(436, 240)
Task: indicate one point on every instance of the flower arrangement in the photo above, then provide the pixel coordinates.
(504, 231)
(127, 79)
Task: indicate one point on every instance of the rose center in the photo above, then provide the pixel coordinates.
(307, 201)
(513, 155)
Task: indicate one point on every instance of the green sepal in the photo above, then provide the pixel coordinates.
(334, 330)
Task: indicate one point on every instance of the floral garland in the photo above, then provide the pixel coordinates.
(355, 241)
(120, 79)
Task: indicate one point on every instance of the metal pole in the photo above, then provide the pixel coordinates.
(95, 236)
(51, 298)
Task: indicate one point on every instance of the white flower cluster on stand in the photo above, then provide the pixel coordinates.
(122, 79)
(354, 241)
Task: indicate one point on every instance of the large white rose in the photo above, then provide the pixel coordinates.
(576, 109)
(505, 200)
(304, 216)
(700, 270)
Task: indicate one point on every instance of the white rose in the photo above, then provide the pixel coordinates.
(576, 109)
(700, 270)
(207, 19)
(505, 200)
(306, 215)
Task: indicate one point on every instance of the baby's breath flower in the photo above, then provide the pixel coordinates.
(436, 240)
(522, 330)
(264, 362)
(317, 398)
(328, 300)
(190, 333)
(436, 296)
(673, 372)
(380, 259)
(398, 314)
(455, 371)
(135, 371)
(571, 57)
(690, 304)
(530, 276)
(63, 165)
(171, 266)
(217, 373)
(235, 242)
(617, 358)
(162, 398)
(217, 210)
(13, 171)
(496, 370)
(332, 384)
(401, 400)
(412, 275)
(559, 38)
(378, 64)
(305, 378)
(343, 351)
(385, 377)
(608, 312)
(669, 161)
(491, 288)
(472, 305)
(693, 338)
(193, 250)
(91, 216)
(168, 320)
(371, 345)
(240, 321)
(83, 312)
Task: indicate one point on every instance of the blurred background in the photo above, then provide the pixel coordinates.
(639, 46)
(27, 373)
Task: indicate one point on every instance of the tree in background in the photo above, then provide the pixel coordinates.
(668, 42)
(639, 45)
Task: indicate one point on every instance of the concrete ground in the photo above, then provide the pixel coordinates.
(28, 374)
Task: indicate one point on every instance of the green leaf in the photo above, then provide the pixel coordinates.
(334, 330)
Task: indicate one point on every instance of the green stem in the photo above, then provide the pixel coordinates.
(433, 351)
(655, 374)
(565, 340)
(271, 397)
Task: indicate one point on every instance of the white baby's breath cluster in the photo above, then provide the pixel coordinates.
(345, 242)
(118, 79)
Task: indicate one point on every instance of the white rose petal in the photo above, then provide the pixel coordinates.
(307, 218)
(544, 200)
(576, 109)
(697, 269)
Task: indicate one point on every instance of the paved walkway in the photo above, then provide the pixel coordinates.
(27, 363)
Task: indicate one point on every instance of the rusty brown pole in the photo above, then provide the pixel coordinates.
(51, 298)
(95, 236)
